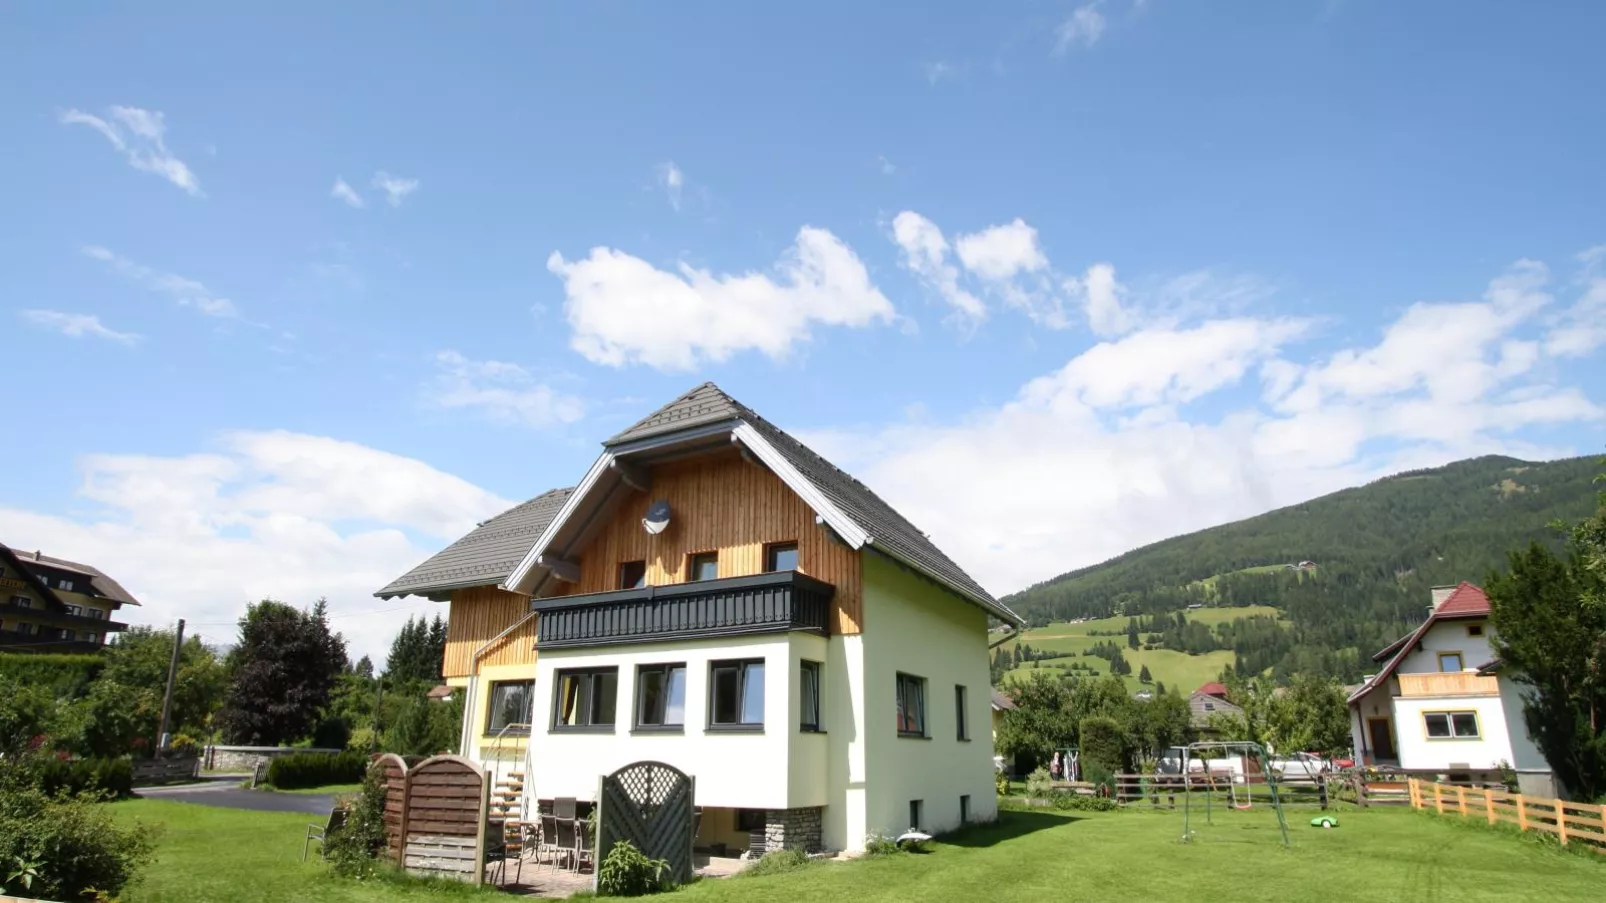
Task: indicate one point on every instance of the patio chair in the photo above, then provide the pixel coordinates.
(583, 853)
(548, 844)
(320, 833)
(563, 838)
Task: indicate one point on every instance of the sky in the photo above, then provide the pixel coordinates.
(295, 294)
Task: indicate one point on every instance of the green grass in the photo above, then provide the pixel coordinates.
(208, 854)
(1176, 669)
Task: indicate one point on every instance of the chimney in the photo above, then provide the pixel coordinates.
(1440, 593)
(36, 555)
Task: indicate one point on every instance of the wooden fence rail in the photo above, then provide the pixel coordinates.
(1569, 822)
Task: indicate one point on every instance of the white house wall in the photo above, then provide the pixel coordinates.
(1418, 751)
(915, 627)
(1449, 636)
(1525, 754)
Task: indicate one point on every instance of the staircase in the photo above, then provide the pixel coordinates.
(507, 804)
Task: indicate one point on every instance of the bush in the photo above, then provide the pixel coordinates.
(627, 872)
(1039, 784)
(779, 862)
(62, 676)
(353, 851)
(301, 770)
(63, 847)
(331, 733)
(876, 845)
(1103, 745)
(102, 777)
(1079, 803)
(1001, 783)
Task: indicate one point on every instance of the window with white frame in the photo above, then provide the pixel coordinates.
(1451, 725)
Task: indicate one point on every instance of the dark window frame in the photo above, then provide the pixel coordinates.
(741, 666)
(916, 811)
(589, 727)
(964, 808)
(961, 717)
(491, 729)
(772, 550)
(923, 729)
(816, 726)
(750, 819)
(625, 582)
(663, 726)
(694, 559)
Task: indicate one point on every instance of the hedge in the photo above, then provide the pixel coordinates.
(113, 776)
(302, 770)
(65, 676)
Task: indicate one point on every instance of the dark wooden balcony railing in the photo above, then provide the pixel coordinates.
(767, 603)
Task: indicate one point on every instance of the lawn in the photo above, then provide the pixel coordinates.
(226, 855)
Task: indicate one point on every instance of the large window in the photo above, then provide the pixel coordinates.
(911, 706)
(959, 712)
(736, 695)
(660, 697)
(780, 556)
(809, 696)
(95, 613)
(702, 566)
(1451, 725)
(586, 699)
(1449, 661)
(509, 705)
(22, 601)
(632, 574)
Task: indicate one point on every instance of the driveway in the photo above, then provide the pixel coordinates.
(226, 793)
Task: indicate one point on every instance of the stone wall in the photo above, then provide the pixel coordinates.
(786, 829)
(245, 758)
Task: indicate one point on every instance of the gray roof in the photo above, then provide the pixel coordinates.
(103, 585)
(1001, 701)
(487, 554)
(708, 404)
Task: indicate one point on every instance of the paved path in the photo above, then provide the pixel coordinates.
(226, 792)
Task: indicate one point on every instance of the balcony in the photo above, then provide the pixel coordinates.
(50, 617)
(1451, 683)
(734, 606)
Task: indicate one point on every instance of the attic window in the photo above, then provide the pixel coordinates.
(1474, 630)
(780, 556)
(632, 574)
(703, 566)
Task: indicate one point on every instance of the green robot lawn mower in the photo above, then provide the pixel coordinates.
(1324, 821)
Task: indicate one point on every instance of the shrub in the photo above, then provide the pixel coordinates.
(1001, 783)
(62, 676)
(1039, 784)
(301, 770)
(72, 777)
(1079, 803)
(1103, 745)
(876, 845)
(62, 847)
(627, 872)
(779, 862)
(353, 851)
(331, 733)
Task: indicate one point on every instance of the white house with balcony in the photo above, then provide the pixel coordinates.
(1430, 709)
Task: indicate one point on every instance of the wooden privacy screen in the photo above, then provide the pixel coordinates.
(650, 805)
(435, 816)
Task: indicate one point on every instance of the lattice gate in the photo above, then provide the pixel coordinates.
(650, 805)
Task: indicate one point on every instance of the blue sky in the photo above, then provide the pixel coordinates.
(1058, 279)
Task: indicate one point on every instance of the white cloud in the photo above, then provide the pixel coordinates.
(505, 393)
(267, 514)
(1582, 328)
(936, 72)
(187, 292)
(77, 325)
(344, 192)
(925, 254)
(888, 168)
(624, 310)
(144, 146)
(1173, 429)
(1001, 252)
(1083, 28)
(1102, 299)
(396, 189)
(672, 181)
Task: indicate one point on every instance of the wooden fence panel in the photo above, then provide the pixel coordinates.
(443, 818)
(1570, 822)
(395, 778)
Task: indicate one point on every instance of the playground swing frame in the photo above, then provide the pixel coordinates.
(1228, 747)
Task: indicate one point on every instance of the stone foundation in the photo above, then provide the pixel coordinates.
(786, 829)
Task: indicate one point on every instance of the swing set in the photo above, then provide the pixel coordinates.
(1241, 800)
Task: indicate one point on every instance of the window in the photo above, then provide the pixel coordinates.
(1449, 661)
(91, 637)
(736, 695)
(964, 808)
(95, 613)
(660, 696)
(509, 704)
(914, 814)
(68, 635)
(75, 610)
(1474, 630)
(27, 629)
(1451, 725)
(780, 556)
(22, 601)
(959, 712)
(749, 819)
(586, 699)
(703, 566)
(64, 583)
(1210, 707)
(632, 574)
(809, 697)
(911, 706)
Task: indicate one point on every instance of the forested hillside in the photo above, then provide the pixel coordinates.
(1376, 549)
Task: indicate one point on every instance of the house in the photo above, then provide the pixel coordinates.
(54, 605)
(1001, 704)
(1534, 775)
(714, 595)
(1207, 702)
(1430, 709)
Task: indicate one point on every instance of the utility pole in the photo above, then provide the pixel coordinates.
(172, 676)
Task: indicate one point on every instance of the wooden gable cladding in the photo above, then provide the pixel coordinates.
(722, 503)
(478, 614)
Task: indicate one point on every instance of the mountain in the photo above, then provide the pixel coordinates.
(1376, 548)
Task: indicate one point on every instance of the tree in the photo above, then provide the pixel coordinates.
(1104, 748)
(284, 668)
(1040, 722)
(1311, 716)
(363, 669)
(138, 660)
(1144, 675)
(1550, 635)
(418, 652)
(1253, 697)
(1132, 634)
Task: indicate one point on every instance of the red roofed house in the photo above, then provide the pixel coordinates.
(1429, 709)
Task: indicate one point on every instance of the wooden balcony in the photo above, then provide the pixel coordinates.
(1452, 683)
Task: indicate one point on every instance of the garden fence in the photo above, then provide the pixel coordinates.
(1569, 822)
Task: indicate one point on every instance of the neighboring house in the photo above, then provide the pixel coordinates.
(715, 595)
(54, 605)
(1429, 709)
(1001, 704)
(1207, 702)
